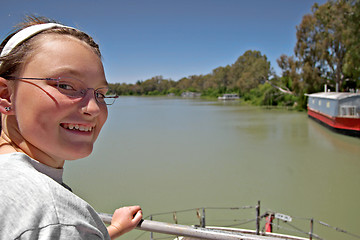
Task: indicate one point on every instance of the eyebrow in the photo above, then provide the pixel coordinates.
(60, 72)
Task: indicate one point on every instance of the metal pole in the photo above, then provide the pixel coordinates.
(258, 218)
(151, 233)
(203, 218)
(194, 232)
(311, 228)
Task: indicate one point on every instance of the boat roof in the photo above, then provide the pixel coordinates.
(333, 95)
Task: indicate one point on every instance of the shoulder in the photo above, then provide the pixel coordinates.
(42, 205)
(57, 232)
(21, 181)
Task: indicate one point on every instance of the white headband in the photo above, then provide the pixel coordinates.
(26, 33)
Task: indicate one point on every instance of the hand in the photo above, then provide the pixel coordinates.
(124, 220)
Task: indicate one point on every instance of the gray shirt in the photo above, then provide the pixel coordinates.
(34, 204)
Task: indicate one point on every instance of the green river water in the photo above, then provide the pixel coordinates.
(171, 154)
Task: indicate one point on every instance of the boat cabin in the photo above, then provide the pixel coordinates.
(231, 96)
(335, 104)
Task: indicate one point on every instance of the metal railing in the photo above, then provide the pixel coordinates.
(200, 231)
(189, 231)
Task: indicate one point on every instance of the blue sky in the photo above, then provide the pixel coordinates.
(140, 39)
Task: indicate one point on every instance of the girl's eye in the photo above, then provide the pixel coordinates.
(99, 95)
(65, 86)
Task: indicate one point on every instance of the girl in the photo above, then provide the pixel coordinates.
(53, 104)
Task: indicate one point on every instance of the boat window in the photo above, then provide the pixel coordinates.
(352, 111)
(343, 111)
(328, 104)
(348, 111)
(319, 102)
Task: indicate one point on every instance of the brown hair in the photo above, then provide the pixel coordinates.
(11, 62)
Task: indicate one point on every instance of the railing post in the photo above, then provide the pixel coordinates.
(203, 218)
(258, 218)
(151, 233)
(311, 228)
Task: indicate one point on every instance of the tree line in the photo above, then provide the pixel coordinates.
(327, 51)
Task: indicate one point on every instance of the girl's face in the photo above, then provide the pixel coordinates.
(54, 125)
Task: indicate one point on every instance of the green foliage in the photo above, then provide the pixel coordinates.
(211, 92)
(153, 93)
(249, 70)
(267, 95)
(291, 78)
(175, 91)
(328, 45)
(352, 57)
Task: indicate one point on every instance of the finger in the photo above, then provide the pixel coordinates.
(134, 209)
(138, 216)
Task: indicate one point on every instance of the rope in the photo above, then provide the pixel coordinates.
(192, 209)
(338, 229)
(321, 223)
(231, 208)
(302, 231)
(296, 231)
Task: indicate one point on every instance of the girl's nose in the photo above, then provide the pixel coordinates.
(91, 105)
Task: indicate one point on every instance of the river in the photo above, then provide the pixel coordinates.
(170, 154)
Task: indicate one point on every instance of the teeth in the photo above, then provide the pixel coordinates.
(77, 127)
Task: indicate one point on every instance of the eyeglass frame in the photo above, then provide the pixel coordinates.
(114, 97)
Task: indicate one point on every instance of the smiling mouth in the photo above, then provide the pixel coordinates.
(81, 128)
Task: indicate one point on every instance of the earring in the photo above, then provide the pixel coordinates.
(7, 109)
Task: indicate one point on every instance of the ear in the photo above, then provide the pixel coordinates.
(5, 93)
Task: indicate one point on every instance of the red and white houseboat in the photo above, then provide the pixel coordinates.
(339, 111)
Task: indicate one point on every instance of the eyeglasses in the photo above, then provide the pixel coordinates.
(74, 88)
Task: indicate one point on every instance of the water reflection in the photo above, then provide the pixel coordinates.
(335, 140)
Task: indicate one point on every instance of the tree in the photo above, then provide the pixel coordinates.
(322, 44)
(184, 84)
(249, 71)
(221, 77)
(290, 73)
(352, 58)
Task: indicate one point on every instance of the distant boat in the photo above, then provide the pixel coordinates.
(339, 111)
(190, 94)
(229, 97)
